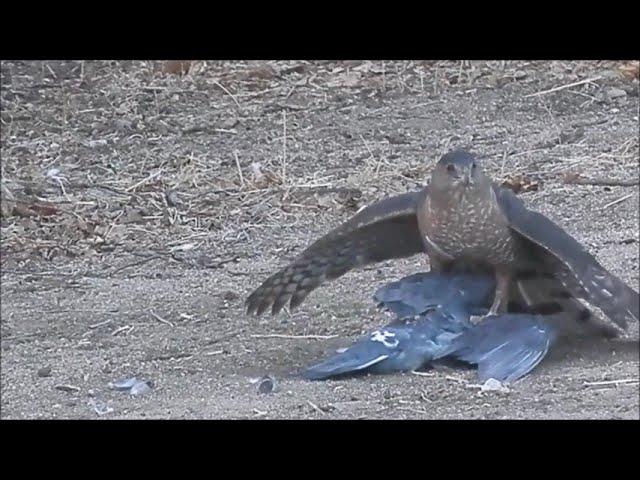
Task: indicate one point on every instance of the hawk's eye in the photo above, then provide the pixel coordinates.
(451, 168)
(473, 165)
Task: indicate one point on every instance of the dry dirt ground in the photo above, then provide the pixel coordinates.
(140, 208)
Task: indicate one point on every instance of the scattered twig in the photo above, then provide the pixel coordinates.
(423, 374)
(228, 93)
(576, 180)
(171, 356)
(227, 336)
(307, 337)
(100, 324)
(284, 146)
(414, 410)
(136, 264)
(620, 200)
(235, 154)
(562, 87)
(315, 407)
(143, 181)
(127, 328)
(215, 352)
(626, 381)
(456, 379)
(366, 144)
(160, 319)
(68, 388)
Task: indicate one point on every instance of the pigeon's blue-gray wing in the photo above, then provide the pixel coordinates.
(402, 346)
(563, 256)
(432, 322)
(384, 230)
(505, 347)
(431, 311)
(458, 294)
(368, 352)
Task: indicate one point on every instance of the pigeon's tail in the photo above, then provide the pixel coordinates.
(546, 295)
(505, 347)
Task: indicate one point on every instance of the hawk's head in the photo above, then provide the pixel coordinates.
(456, 170)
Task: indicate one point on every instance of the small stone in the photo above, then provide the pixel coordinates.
(172, 198)
(493, 385)
(123, 385)
(267, 384)
(97, 143)
(230, 295)
(68, 388)
(123, 125)
(140, 388)
(571, 135)
(132, 385)
(100, 407)
(519, 74)
(44, 372)
(229, 123)
(614, 93)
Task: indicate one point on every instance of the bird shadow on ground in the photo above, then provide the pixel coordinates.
(595, 349)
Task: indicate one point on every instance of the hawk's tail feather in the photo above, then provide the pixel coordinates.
(619, 302)
(546, 295)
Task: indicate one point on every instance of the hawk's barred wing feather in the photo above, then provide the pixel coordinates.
(386, 229)
(579, 271)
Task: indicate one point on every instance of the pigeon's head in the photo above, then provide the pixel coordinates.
(458, 169)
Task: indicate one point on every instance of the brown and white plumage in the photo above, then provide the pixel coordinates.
(551, 248)
(462, 220)
(387, 229)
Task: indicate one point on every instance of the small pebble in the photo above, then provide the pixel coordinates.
(140, 388)
(123, 125)
(493, 385)
(123, 385)
(230, 295)
(230, 123)
(614, 93)
(132, 385)
(267, 384)
(44, 372)
(172, 197)
(100, 407)
(97, 143)
(68, 388)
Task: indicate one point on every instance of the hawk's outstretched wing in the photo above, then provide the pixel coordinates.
(569, 262)
(387, 229)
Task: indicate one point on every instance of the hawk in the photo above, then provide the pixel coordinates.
(464, 222)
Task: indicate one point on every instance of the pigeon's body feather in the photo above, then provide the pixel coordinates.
(432, 323)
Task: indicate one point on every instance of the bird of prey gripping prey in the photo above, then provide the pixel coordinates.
(464, 222)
